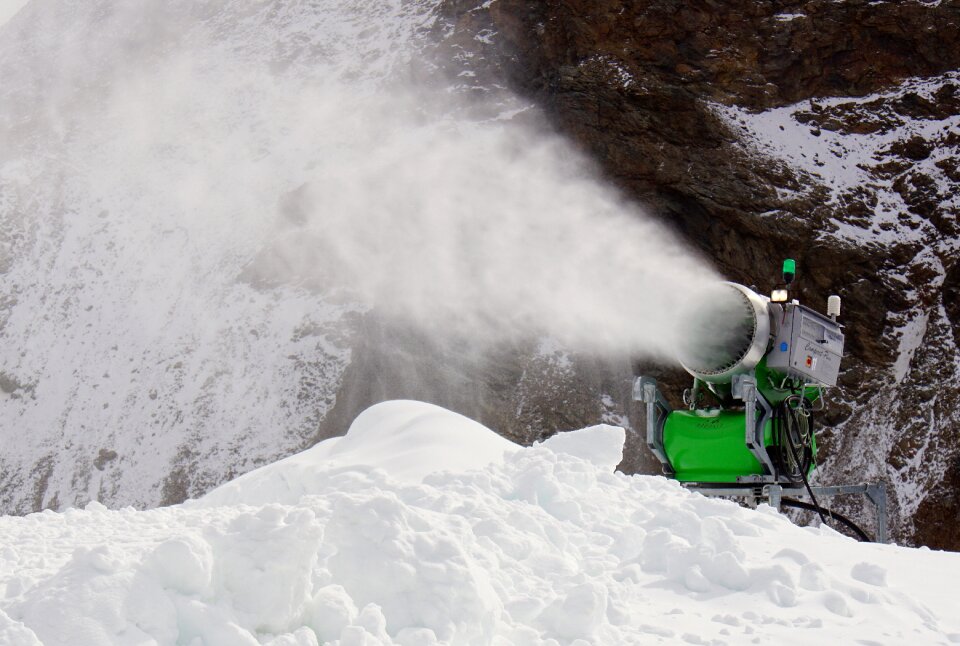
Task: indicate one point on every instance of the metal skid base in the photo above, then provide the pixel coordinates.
(772, 494)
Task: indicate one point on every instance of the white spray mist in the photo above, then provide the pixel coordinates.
(155, 154)
(487, 229)
(490, 230)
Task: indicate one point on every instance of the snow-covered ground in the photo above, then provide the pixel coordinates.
(362, 540)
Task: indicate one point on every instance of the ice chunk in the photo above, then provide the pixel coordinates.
(601, 444)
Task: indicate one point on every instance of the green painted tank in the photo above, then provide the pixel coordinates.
(708, 445)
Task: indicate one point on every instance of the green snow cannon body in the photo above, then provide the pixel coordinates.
(765, 364)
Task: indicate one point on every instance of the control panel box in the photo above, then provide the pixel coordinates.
(808, 345)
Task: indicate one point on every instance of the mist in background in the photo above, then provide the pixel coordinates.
(8, 8)
(198, 199)
(339, 171)
(488, 230)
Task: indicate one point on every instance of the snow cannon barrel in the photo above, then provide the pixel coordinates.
(725, 334)
(735, 331)
(759, 366)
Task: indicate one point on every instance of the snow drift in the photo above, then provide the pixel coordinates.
(513, 546)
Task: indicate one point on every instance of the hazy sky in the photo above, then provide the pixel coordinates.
(10, 7)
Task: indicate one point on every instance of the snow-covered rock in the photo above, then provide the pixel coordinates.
(827, 132)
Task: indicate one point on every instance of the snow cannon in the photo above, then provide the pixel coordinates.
(760, 366)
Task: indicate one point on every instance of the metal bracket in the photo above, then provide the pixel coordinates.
(744, 387)
(645, 390)
(821, 403)
(877, 494)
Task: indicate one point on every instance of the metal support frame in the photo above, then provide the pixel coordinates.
(745, 389)
(645, 390)
(772, 494)
(754, 488)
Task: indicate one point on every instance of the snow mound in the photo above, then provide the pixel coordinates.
(410, 440)
(407, 439)
(514, 546)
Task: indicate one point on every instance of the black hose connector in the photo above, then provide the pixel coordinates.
(852, 526)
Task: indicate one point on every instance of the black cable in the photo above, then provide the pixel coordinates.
(789, 423)
(796, 459)
(799, 504)
(789, 430)
(789, 416)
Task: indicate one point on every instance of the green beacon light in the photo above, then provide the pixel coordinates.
(789, 270)
(780, 293)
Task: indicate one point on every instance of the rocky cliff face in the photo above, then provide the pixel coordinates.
(825, 131)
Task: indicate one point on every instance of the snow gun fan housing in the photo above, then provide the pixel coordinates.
(759, 370)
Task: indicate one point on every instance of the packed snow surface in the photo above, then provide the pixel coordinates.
(510, 545)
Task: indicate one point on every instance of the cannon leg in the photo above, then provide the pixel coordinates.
(645, 390)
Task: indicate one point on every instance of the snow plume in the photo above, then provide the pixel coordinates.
(318, 141)
(174, 173)
(335, 167)
(488, 229)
